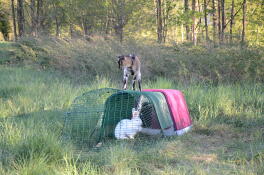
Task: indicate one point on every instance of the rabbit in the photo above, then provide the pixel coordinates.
(127, 129)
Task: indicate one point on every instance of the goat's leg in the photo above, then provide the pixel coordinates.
(138, 78)
(125, 78)
(139, 85)
(125, 82)
(134, 82)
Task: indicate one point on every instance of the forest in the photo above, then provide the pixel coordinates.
(163, 21)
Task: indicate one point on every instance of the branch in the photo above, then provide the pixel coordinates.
(233, 16)
(197, 25)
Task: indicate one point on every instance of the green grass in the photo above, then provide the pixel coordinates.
(223, 87)
(82, 60)
(227, 137)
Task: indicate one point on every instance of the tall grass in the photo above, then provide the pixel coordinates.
(227, 137)
(83, 60)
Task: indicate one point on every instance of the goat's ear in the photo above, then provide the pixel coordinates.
(119, 61)
(119, 64)
(120, 57)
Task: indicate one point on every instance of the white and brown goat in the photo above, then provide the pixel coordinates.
(130, 64)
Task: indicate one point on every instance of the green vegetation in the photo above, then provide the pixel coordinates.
(214, 22)
(227, 137)
(223, 87)
(5, 28)
(83, 60)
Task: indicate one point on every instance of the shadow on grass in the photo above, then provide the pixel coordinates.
(10, 92)
(50, 120)
(238, 121)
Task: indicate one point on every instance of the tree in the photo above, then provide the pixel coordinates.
(187, 28)
(223, 20)
(159, 20)
(39, 17)
(122, 11)
(214, 20)
(232, 21)
(244, 22)
(14, 19)
(33, 17)
(20, 18)
(205, 21)
(137, 18)
(194, 34)
(55, 5)
(219, 19)
(4, 23)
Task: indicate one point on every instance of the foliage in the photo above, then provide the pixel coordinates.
(5, 28)
(136, 19)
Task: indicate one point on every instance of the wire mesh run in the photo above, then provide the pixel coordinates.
(83, 121)
(102, 114)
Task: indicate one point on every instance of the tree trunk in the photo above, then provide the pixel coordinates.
(56, 20)
(164, 21)
(119, 32)
(205, 21)
(223, 20)
(107, 24)
(86, 26)
(244, 22)
(20, 18)
(33, 17)
(57, 27)
(166, 12)
(159, 21)
(14, 19)
(120, 18)
(214, 20)
(39, 16)
(200, 20)
(232, 22)
(182, 33)
(194, 35)
(187, 28)
(219, 20)
(119, 27)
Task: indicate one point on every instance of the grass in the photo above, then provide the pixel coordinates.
(227, 137)
(82, 60)
(223, 87)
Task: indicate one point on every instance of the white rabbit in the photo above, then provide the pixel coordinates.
(127, 129)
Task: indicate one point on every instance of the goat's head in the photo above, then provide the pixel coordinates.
(120, 60)
(124, 61)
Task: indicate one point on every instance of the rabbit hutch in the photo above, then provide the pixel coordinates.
(93, 117)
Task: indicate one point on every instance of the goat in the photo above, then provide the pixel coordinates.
(130, 64)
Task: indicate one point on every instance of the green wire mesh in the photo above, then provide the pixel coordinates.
(94, 115)
(82, 122)
(119, 106)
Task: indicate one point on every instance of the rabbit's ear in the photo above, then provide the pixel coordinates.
(133, 110)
